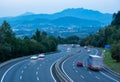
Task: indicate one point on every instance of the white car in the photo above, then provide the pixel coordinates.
(41, 56)
(68, 49)
(34, 57)
(88, 50)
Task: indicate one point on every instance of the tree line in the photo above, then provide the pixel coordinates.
(12, 47)
(108, 35)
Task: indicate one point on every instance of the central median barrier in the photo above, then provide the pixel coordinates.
(58, 72)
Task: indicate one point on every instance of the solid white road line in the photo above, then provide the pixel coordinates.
(64, 70)
(51, 71)
(10, 69)
(109, 77)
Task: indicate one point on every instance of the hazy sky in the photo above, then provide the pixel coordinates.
(17, 7)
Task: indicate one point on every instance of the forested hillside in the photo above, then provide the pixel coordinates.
(108, 35)
(12, 47)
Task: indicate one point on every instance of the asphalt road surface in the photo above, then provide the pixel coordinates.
(39, 70)
(83, 74)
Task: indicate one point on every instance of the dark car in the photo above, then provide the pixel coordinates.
(79, 64)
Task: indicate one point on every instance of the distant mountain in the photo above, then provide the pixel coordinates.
(67, 18)
(27, 13)
(86, 14)
(69, 21)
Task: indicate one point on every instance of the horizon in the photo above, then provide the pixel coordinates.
(27, 12)
(50, 7)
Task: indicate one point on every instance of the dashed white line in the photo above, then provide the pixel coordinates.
(73, 67)
(38, 68)
(76, 71)
(40, 65)
(28, 63)
(89, 72)
(10, 69)
(97, 77)
(22, 71)
(38, 78)
(82, 76)
(25, 67)
(20, 77)
(36, 72)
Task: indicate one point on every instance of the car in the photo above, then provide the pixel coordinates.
(79, 64)
(85, 47)
(68, 49)
(79, 51)
(33, 57)
(88, 50)
(41, 56)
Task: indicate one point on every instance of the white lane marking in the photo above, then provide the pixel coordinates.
(51, 71)
(20, 77)
(38, 68)
(40, 65)
(38, 78)
(64, 70)
(82, 76)
(25, 67)
(76, 71)
(74, 67)
(73, 64)
(36, 72)
(28, 63)
(96, 52)
(89, 72)
(97, 77)
(109, 77)
(22, 71)
(10, 69)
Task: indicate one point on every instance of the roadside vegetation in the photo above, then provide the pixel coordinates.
(111, 63)
(108, 35)
(12, 47)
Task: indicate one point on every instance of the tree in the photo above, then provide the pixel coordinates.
(115, 50)
(37, 36)
(6, 32)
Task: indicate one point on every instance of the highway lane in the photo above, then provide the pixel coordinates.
(82, 74)
(32, 70)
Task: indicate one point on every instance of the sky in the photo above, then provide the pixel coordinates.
(17, 7)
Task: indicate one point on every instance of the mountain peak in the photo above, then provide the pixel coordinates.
(27, 13)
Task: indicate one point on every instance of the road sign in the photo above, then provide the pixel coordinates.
(107, 47)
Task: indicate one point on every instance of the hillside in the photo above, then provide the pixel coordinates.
(74, 19)
(109, 35)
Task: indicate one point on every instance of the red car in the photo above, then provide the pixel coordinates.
(79, 64)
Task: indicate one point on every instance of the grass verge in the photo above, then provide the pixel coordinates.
(112, 64)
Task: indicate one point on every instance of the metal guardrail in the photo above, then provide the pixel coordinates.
(59, 72)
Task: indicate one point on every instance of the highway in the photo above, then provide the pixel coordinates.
(28, 70)
(40, 70)
(83, 74)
